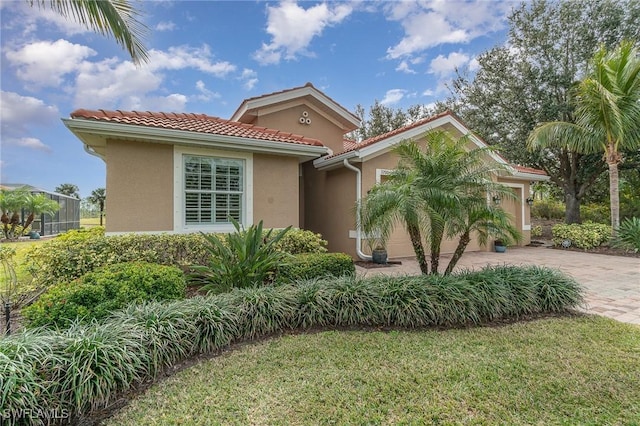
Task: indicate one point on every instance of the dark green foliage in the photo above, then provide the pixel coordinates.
(548, 209)
(628, 235)
(98, 293)
(316, 265)
(245, 258)
(86, 366)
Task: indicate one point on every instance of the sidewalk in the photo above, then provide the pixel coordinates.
(612, 283)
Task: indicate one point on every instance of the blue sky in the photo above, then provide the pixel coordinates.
(206, 57)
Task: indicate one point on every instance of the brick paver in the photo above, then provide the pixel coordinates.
(612, 283)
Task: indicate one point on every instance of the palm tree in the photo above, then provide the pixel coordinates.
(114, 18)
(38, 205)
(426, 191)
(98, 197)
(68, 189)
(11, 203)
(607, 115)
(484, 220)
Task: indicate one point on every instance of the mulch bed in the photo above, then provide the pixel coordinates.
(367, 264)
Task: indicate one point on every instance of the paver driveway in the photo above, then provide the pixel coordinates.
(612, 283)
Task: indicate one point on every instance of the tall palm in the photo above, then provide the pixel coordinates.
(98, 197)
(426, 191)
(37, 205)
(607, 115)
(114, 18)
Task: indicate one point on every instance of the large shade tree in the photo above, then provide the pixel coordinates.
(607, 115)
(117, 19)
(437, 190)
(529, 79)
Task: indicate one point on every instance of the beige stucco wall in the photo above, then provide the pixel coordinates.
(275, 190)
(139, 186)
(514, 206)
(287, 117)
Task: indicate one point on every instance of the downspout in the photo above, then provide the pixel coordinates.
(359, 252)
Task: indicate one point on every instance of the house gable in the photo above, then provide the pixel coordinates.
(304, 110)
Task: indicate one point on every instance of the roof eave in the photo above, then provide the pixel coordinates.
(534, 177)
(82, 128)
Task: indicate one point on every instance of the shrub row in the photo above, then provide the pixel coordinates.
(315, 265)
(97, 294)
(584, 236)
(77, 252)
(86, 366)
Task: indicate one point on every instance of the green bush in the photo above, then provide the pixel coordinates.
(548, 209)
(77, 252)
(599, 213)
(316, 265)
(87, 366)
(97, 294)
(628, 235)
(82, 234)
(298, 241)
(245, 258)
(536, 231)
(584, 236)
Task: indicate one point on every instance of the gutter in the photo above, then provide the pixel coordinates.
(350, 166)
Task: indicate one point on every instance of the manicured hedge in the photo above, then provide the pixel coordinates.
(316, 265)
(75, 253)
(97, 294)
(87, 366)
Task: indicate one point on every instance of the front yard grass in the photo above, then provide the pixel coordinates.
(565, 370)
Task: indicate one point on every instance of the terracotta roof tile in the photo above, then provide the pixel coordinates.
(531, 170)
(190, 122)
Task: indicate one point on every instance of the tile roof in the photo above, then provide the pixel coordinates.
(200, 123)
(531, 170)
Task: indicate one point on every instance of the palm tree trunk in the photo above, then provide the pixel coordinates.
(28, 222)
(416, 241)
(436, 240)
(5, 223)
(463, 242)
(15, 221)
(614, 196)
(101, 212)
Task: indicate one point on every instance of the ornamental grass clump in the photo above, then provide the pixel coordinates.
(86, 366)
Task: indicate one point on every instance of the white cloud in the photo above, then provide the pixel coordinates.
(428, 92)
(393, 96)
(31, 143)
(205, 94)
(429, 24)
(45, 63)
(113, 83)
(165, 26)
(250, 78)
(443, 66)
(18, 113)
(404, 67)
(292, 28)
(181, 57)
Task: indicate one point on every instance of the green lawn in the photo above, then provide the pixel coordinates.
(581, 370)
(88, 222)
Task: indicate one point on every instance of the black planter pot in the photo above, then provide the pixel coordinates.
(379, 256)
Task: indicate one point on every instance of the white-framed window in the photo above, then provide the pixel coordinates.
(210, 188)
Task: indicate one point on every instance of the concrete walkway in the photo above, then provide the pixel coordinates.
(612, 283)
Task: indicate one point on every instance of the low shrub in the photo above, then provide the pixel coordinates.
(628, 234)
(82, 234)
(536, 231)
(88, 365)
(74, 253)
(584, 236)
(98, 293)
(548, 209)
(316, 265)
(298, 241)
